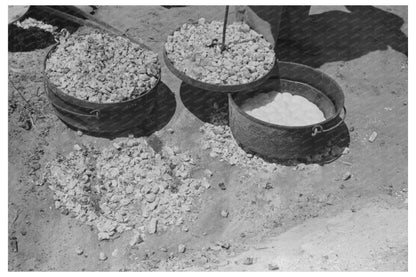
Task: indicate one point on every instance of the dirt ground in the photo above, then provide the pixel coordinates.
(310, 219)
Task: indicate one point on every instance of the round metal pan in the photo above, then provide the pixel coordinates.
(214, 87)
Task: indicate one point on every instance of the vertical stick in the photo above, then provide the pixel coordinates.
(224, 28)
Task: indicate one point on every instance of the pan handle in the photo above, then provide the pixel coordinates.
(319, 129)
(92, 114)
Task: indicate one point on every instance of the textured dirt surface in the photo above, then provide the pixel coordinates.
(307, 219)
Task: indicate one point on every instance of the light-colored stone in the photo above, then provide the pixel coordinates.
(152, 227)
(372, 137)
(224, 213)
(208, 173)
(347, 175)
(136, 239)
(102, 256)
(77, 147)
(181, 248)
(79, 250)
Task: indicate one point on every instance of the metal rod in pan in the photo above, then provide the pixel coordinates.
(224, 30)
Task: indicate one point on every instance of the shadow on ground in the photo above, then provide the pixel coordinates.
(202, 103)
(335, 35)
(23, 40)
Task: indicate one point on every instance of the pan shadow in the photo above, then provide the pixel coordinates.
(202, 103)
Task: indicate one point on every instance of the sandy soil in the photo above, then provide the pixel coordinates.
(310, 219)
